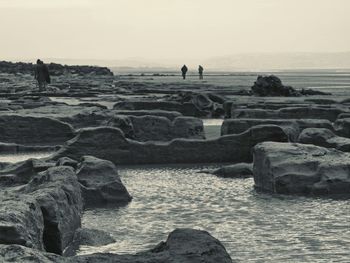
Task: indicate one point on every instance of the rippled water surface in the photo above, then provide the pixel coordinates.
(253, 227)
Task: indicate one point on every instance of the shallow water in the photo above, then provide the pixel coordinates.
(253, 227)
(19, 157)
(212, 128)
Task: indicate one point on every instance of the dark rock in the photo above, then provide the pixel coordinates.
(324, 138)
(187, 108)
(329, 113)
(237, 126)
(307, 92)
(43, 211)
(111, 144)
(342, 127)
(272, 86)
(34, 130)
(303, 169)
(65, 161)
(124, 123)
(100, 182)
(55, 69)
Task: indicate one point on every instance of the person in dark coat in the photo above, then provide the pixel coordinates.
(42, 75)
(200, 71)
(184, 70)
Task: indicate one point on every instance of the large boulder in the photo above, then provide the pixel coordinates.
(182, 246)
(100, 182)
(111, 144)
(325, 138)
(34, 130)
(286, 168)
(272, 86)
(41, 211)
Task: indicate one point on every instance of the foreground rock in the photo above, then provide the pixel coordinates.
(111, 144)
(182, 246)
(324, 138)
(34, 130)
(239, 170)
(100, 182)
(286, 168)
(43, 210)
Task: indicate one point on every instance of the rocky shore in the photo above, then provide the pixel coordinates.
(290, 142)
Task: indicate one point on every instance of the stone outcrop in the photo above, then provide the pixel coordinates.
(111, 144)
(238, 170)
(43, 212)
(34, 130)
(154, 128)
(181, 246)
(308, 112)
(237, 126)
(42, 201)
(324, 138)
(272, 86)
(186, 108)
(55, 69)
(292, 127)
(304, 169)
(100, 182)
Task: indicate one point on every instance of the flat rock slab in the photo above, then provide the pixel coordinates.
(287, 168)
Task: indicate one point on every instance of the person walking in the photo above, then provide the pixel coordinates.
(184, 70)
(200, 71)
(42, 75)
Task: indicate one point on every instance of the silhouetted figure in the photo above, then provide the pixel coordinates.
(200, 71)
(42, 75)
(184, 70)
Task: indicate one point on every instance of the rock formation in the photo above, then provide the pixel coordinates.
(100, 182)
(34, 130)
(111, 144)
(324, 138)
(272, 86)
(303, 169)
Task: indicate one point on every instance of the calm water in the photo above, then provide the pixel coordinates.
(14, 158)
(253, 227)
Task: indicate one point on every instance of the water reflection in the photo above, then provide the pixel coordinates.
(253, 227)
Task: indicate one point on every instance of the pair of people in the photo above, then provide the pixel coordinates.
(184, 70)
(42, 75)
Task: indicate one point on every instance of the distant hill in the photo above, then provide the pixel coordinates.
(238, 62)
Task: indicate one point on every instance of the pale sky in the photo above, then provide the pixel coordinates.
(167, 29)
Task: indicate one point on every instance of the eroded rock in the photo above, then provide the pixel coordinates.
(304, 169)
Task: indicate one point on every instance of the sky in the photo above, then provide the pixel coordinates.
(170, 29)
